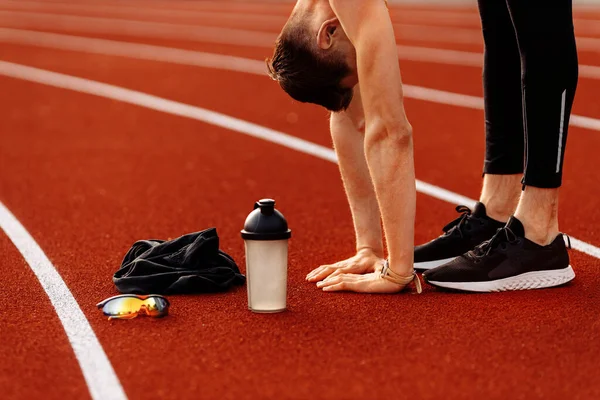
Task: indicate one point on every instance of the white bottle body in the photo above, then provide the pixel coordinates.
(266, 275)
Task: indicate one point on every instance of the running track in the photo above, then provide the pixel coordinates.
(86, 169)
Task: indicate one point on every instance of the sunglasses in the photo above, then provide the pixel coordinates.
(128, 306)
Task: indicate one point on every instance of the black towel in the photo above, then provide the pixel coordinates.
(189, 264)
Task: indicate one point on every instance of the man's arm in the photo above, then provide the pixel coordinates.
(348, 139)
(347, 132)
(388, 134)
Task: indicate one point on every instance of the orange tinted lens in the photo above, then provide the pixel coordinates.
(123, 307)
(156, 306)
(129, 307)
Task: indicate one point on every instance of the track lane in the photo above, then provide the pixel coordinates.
(253, 381)
(427, 74)
(407, 35)
(107, 151)
(281, 8)
(34, 364)
(205, 18)
(193, 38)
(251, 20)
(453, 128)
(260, 7)
(405, 29)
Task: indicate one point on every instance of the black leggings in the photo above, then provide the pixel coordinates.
(529, 79)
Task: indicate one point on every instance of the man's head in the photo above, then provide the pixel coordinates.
(313, 61)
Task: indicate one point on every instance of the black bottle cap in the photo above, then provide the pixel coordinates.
(265, 223)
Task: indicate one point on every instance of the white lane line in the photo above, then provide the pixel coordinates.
(423, 33)
(589, 71)
(132, 50)
(448, 98)
(99, 375)
(438, 34)
(472, 18)
(143, 29)
(585, 247)
(211, 117)
(463, 100)
(588, 44)
(585, 122)
(231, 63)
(440, 56)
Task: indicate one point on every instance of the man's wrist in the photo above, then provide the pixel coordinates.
(376, 250)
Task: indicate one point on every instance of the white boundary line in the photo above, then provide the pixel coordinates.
(200, 114)
(231, 63)
(97, 370)
(132, 50)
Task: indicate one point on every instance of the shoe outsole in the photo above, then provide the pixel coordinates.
(526, 281)
(425, 265)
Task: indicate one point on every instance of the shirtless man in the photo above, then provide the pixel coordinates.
(324, 50)
(511, 239)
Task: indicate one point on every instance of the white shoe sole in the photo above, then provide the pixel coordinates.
(432, 264)
(529, 280)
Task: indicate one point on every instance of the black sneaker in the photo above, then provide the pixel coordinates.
(460, 236)
(508, 261)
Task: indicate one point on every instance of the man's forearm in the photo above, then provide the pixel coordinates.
(389, 156)
(349, 146)
(388, 136)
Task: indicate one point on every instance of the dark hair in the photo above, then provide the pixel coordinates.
(304, 74)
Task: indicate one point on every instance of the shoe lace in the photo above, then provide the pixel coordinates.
(502, 235)
(458, 223)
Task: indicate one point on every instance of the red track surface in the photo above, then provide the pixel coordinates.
(89, 176)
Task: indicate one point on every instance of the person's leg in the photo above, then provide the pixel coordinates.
(529, 252)
(504, 155)
(500, 194)
(504, 132)
(550, 73)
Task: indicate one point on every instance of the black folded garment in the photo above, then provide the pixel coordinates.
(191, 263)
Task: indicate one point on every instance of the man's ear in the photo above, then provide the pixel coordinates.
(327, 32)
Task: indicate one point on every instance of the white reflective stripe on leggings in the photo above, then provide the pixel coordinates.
(562, 126)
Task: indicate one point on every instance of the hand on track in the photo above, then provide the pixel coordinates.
(363, 262)
(367, 283)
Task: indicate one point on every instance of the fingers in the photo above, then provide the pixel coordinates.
(352, 285)
(339, 271)
(319, 273)
(340, 277)
(369, 283)
(366, 283)
(328, 271)
(336, 288)
(315, 272)
(339, 281)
